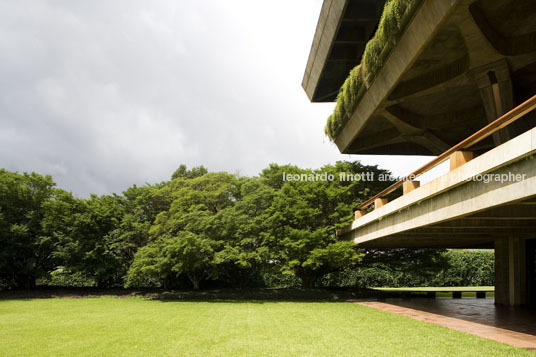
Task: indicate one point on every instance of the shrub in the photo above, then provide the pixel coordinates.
(61, 277)
(280, 280)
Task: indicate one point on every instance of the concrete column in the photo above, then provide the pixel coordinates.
(359, 213)
(496, 91)
(409, 186)
(380, 202)
(510, 271)
(501, 272)
(459, 158)
(520, 267)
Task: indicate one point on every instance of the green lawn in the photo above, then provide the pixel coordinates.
(132, 327)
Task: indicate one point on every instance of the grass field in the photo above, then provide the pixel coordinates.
(111, 326)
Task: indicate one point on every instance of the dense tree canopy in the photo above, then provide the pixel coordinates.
(305, 215)
(196, 230)
(183, 172)
(26, 253)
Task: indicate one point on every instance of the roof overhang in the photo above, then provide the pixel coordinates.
(344, 28)
(458, 65)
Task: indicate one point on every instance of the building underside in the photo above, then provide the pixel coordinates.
(458, 66)
(497, 209)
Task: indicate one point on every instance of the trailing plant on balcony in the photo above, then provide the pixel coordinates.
(395, 17)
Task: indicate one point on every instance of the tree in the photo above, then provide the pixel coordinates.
(170, 256)
(243, 230)
(219, 208)
(467, 268)
(82, 228)
(197, 227)
(26, 253)
(192, 224)
(183, 172)
(141, 205)
(194, 201)
(408, 260)
(305, 215)
(191, 255)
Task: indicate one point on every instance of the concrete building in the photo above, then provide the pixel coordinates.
(458, 82)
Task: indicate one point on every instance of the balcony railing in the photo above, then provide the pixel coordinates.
(458, 155)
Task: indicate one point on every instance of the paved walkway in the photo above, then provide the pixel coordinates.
(479, 317)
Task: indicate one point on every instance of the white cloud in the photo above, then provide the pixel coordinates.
(104, 94)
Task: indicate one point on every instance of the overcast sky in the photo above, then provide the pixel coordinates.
(105, 94)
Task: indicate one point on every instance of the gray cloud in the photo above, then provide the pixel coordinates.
(105, 94)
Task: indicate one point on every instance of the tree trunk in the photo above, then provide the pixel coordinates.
(195, 281)
(28, 283)
(196, 284)
(166, 284)
(308, 281)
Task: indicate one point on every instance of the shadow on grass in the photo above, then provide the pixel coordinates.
(259, 295)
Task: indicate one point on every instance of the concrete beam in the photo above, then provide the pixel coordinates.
(435, 79)
(478, 223)
(495, 86)
(471, 231)
(388, 136)
(513, 212)
(462, 200)
(326, 30)
(447, 198)
(516, 149)
(411, 133)
(410, 241)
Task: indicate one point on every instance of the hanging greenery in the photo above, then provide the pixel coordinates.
(395, 17)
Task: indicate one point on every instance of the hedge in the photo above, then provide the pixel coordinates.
(466, 268)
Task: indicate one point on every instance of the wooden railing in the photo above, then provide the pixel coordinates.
(483, 133)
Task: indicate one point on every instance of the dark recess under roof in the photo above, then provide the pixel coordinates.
(343, 30)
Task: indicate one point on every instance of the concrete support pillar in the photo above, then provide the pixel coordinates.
(459, 158)
(495, 87)
(510, 271)
(359, 213)
(409, 186)
(501, 272)
(379, 202)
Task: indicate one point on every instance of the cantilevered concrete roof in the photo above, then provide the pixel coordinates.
(458, 65)
(343, 30)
